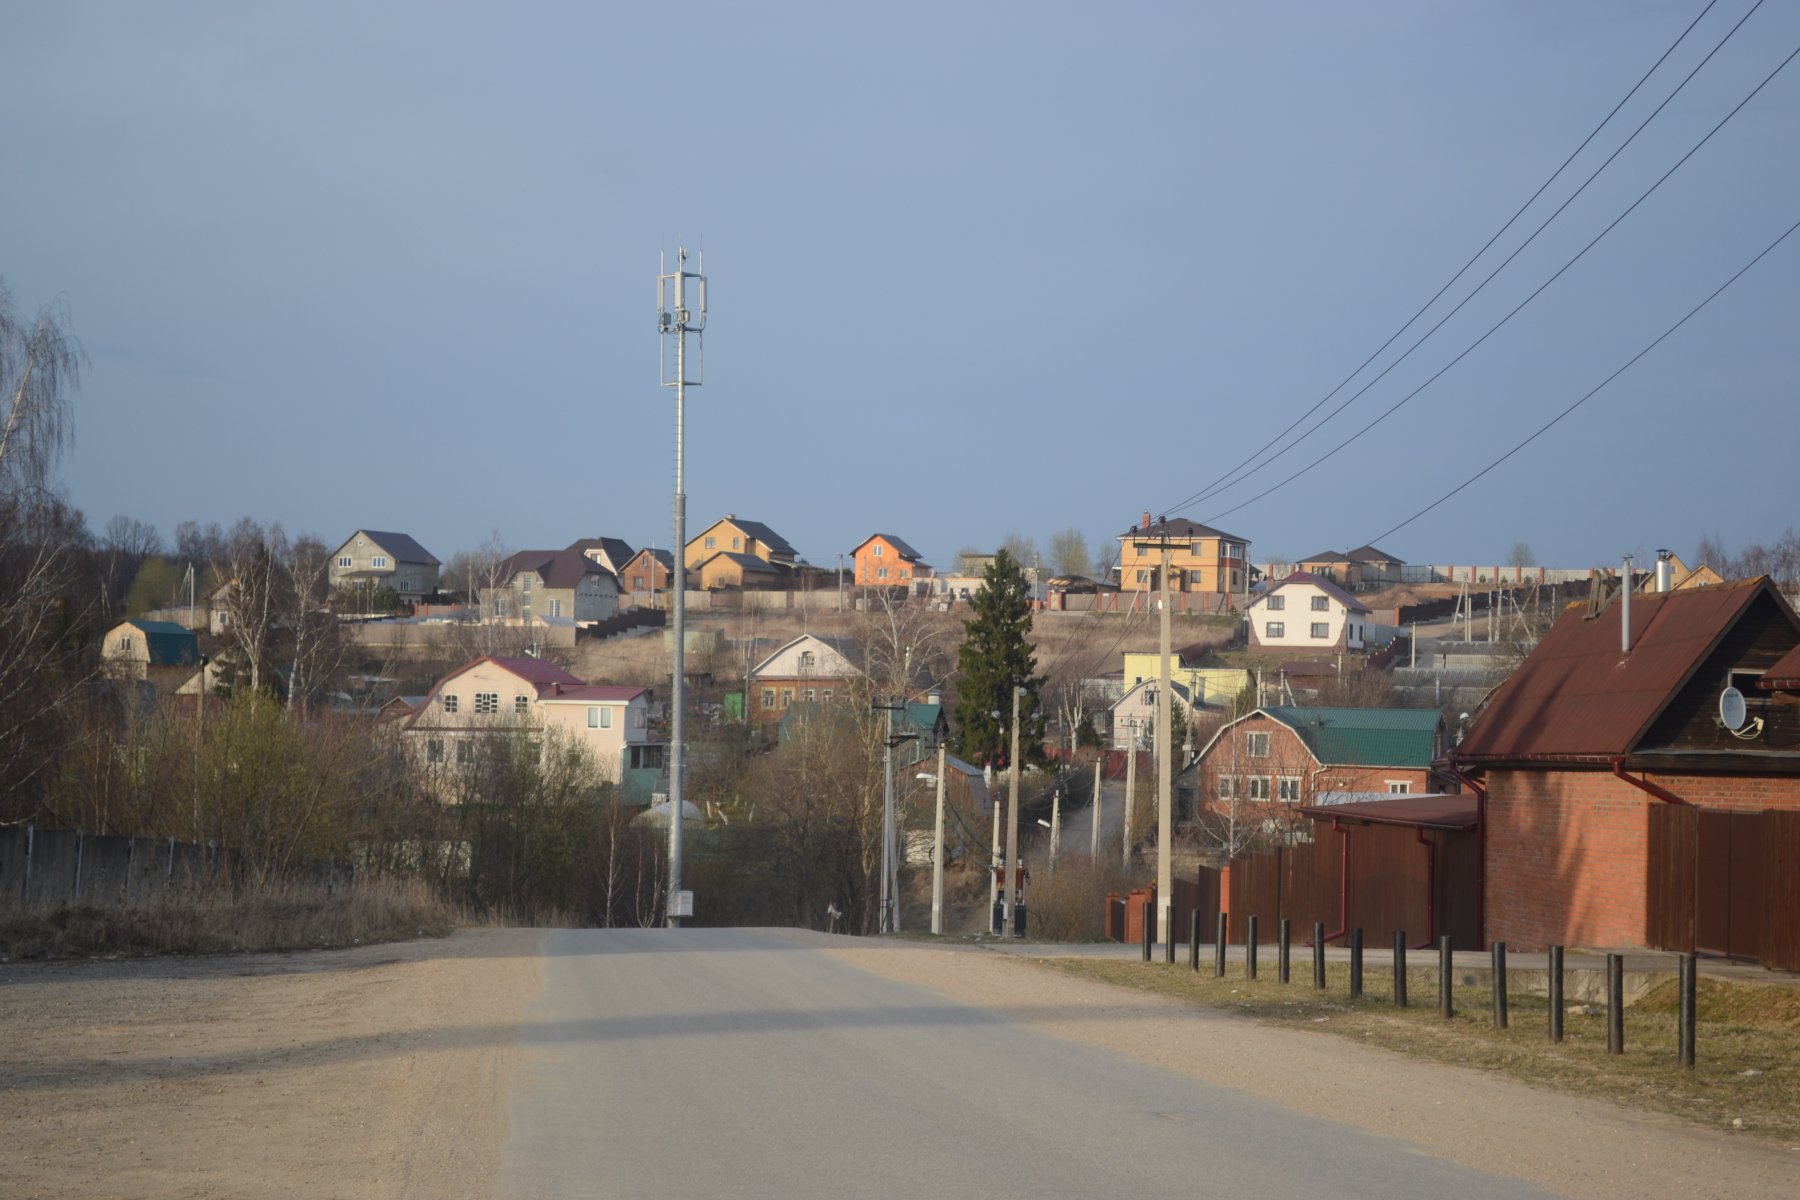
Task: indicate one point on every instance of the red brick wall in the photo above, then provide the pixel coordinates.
(1288, 755)
(1567, 851)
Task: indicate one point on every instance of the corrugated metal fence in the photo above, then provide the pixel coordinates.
(1724, 883)
(52, 867)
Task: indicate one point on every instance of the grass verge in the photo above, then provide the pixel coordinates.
(276, 918)
(1746, 1076)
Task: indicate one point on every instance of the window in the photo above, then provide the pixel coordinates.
(487, 703)
(877, 550)
(125, 643)
(1321, 629)
(1399, 787)
(711, 543)
(646, 758)
(606, 718)
(637, 718)
(448, 700)
(1193, 577)
(380, 560)
(1228, 787)
(825, 696)
(344, 560)
(521, 704)
(1274, 629)
(1321, 604)
(737, 543)
(1259, 787)
(1277, 603)
(881, 572)
(1257, 745)
(465, 752)
(434, 750)
(593, 716)
(787, 697)
(808, 661)
(768, 698)
(1287, 789)
(1140, 575)
(806, 694)
(525, 583)
(637, 583)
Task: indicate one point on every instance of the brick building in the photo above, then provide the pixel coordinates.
(1620, 806)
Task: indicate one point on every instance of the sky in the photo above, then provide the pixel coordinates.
(975, 269)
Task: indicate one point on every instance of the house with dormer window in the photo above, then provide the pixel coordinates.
(808, 670)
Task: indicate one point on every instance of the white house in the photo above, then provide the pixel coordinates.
(1134, 714)
(1305, 612)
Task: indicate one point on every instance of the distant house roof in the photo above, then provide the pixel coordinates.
(1784, 676)
(665, 557)
(616, 552)
(906, 551)
(1579, 695)
(1330, 556)
(557, 568)
(1369, 554)
(1364, 737)
(748, 562)
(1178, 528)
(169, 644)
(591, 693)
(1324, 585)
(1459, 813)
(844, 648)
(400, 546)
(762, 533)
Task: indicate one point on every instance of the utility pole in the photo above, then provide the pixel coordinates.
(887, 825)
(1130, 785)
(1012, 818)
(994, 863)
(1094, 837)
(675, 319)
(1165, 883)
(937, 853)
(1055, 828)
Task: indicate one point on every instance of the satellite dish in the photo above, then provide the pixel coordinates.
(1732, 712)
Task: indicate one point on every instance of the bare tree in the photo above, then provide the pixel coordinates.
(1069, 553)
(256, 603)
(1520, 556)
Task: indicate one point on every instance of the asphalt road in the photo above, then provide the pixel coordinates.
(702, 1063)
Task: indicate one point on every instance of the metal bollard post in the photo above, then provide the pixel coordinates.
(1499, 952)
(1615, 1004)
(1169, 936)
(1219, 946)
(1689, 970)
(1250, 949)
(1399, 968)
(1319, 955)
(1356, 963)
(1149, 929)
(1194, 939)
(1556, 993)
(1446, 1009)
(1284, 955)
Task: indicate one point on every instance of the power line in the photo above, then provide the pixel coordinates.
(1232, 477)
(1553, 421)
(1391, 409)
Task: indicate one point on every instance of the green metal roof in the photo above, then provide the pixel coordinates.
(1370, 737)
(170, 645)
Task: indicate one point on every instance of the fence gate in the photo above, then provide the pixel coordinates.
(1721, 883)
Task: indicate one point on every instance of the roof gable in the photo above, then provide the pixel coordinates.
(1579, 694)
(1371, 555)
(1324, 585)
(557, 568)
(831, 659)
(610, 552)
(901, 548)
(400, 546)
(1178, 528)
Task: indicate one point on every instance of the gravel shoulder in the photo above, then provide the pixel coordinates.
(1570, 1146)
(376, 1072)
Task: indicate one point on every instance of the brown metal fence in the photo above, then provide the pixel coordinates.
(1722, 882)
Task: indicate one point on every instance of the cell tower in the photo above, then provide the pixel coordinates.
(680, 310)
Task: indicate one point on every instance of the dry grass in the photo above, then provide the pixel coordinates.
(281, 917)
(1747, 1073)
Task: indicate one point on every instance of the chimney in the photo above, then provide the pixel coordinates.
(1146, 524)
(1625, 606)
(1665, 573)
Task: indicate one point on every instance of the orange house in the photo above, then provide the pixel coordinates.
(883, 560)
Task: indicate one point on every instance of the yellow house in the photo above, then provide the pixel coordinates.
(1210, 687)
(1201, 558)
(730, 535)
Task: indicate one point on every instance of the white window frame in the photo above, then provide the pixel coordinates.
(593, 716)
(521, 705)
(449, 701)
(876, 550)
(1258, 788)
(346, 561)
(379, 560)
(1228, 787)
(1256, 743)
(1399, 787)
(487, 703)
(1287, 789)
(606, 717)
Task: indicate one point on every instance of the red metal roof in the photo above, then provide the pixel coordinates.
(1426, 812)
(1578, 695)
(591, 693)
(1784, 676)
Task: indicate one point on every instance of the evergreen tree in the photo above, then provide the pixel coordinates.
(995, 658)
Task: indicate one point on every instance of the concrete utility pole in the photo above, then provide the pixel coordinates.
(1094, 837)
(1012, 818)
(1055, 828)
(994, 863)
(675, 319)
(1165, 885)
(1130, 786)
(937, 852)
(887, 825)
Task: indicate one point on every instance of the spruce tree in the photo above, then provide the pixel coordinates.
(995, 658)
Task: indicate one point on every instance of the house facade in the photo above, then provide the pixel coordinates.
(374, 558)
(1210, 687)
(648, 571)
(1341, 569)
(494, 696)
(1132, 717)
(810, 669)
(1630, 800)
(1379, 568)
(1278, 757)
(729, 569)
(1201, 559)
(609, 553)
(1305, 612)
(883, 560)
(734, 535)
(136, 649)
(535, 584)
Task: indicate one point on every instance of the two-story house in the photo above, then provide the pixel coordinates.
(1307, 612)
(495, 696)
(883, 560)
(1208, 686)
(731, 534)
(611, 553)
(535, 584)
(138, 649)
(809, 669)
(1201, 558)
(648, 571)
(374, 558)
